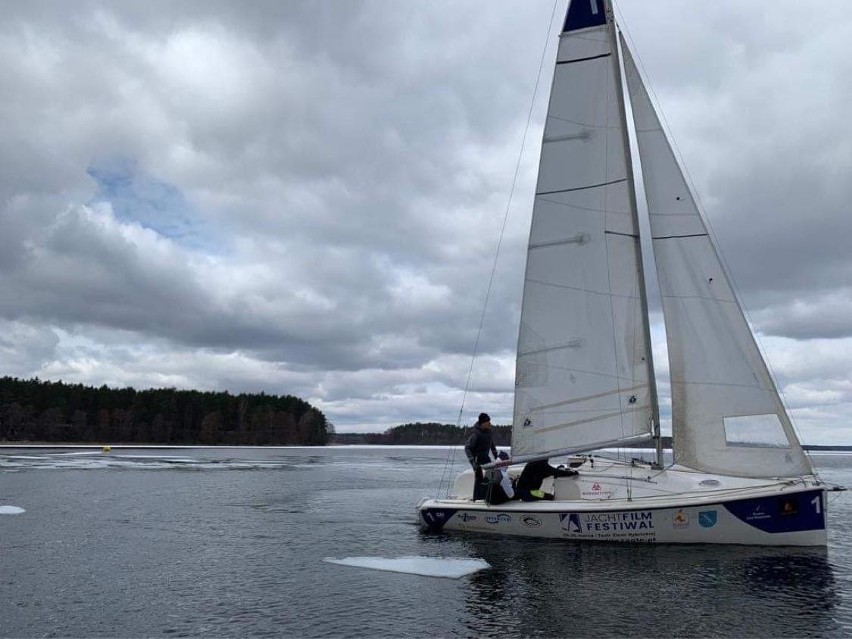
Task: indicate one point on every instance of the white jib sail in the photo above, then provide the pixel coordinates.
(582, 364)
(727, 416)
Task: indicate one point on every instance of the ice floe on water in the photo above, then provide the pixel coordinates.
(11, 510)
(426, 566)
(93, 460)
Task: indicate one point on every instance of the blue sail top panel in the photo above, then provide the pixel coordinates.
(583, 14)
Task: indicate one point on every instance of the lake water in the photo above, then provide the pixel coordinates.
(189, 542)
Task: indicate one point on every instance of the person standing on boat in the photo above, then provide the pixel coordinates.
(528, 486)
(480, 449)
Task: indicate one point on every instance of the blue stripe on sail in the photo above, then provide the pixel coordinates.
(583, 14)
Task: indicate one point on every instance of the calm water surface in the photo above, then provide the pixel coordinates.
(232, 541)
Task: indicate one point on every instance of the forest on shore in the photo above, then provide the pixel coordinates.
(429, 433)
(40, 411)
(435, 434)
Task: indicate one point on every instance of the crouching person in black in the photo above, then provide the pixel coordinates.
(528, 486)
(480, 449)
(499, 488)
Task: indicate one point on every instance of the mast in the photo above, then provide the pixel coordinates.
(643, 297)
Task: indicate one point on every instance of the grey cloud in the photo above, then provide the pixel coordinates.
(353, 161)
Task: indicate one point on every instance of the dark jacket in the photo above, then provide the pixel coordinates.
(479, 444)
(534, 473)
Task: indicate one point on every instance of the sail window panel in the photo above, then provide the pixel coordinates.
(705, 406)
(587, 44)
(689, 268)
(610, 201)
(755, 430)
(700, 418)
(746, 461)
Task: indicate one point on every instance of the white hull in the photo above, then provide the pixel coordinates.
(676, 506)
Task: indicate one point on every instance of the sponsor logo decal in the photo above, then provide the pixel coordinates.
(596, 491)
(789, 507)
(680, 519)
(707, 518)
(467, 517)
(626, 526)
(496, 519)
(531, 520)
(758, 513)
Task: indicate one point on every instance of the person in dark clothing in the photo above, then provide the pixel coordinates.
(528, 486)
(499, 486)
(480, 449)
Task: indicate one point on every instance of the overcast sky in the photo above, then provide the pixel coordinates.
(306, 197)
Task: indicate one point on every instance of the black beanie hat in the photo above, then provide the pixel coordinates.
(483, 417)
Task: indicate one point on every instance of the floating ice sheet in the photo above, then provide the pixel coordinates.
(96, 460)
(11, 510)
(426, 566)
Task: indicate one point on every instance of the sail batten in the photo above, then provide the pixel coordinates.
(593, 57)
(677, 237)
(583, 188)
(588, 397)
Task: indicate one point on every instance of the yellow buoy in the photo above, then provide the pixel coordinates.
(106, 449)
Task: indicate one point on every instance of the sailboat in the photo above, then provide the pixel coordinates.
(584, 370)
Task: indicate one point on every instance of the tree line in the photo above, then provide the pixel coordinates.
(35, 410)
(430, 433)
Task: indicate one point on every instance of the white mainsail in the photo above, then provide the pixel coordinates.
(584, 373)
(727, 417)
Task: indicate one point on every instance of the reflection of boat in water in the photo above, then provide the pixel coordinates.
(694, 590)
(585, 375)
